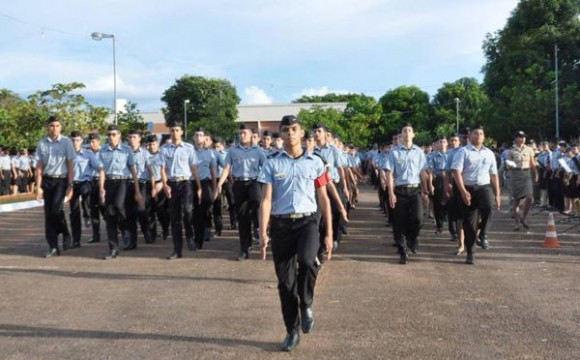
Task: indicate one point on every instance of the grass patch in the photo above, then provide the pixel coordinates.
(10, 199)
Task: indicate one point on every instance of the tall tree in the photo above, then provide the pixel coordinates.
(405, 104)
(471, 103)
(212, 104)
(131, 119)
(520, 73)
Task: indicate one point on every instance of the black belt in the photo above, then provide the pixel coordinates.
(205, 180)
(293, 216)
(179, 179)
(55, 176)
(115, 177)
(141, 181)
(79, 181)
(476, 187)
(518, 169)
(244, 179)
(408, 186)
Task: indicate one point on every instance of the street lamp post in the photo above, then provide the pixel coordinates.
(457, 101)
(98, 37)
(185, 102)
(556, 91)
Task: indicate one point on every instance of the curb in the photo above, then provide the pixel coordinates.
(20, 205)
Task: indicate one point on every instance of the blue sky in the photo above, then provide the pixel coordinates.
(273, 51)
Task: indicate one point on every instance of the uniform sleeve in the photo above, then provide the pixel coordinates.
(193, 160)
(212, 160)
(423, 162)
(228, 159)
(493, 168)
(262, 158)
(322, 177)
(458, 160)
(130, 159)
(266, 173)
(70, 151)
(389, 162)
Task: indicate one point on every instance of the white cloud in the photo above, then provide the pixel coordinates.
(255, 96)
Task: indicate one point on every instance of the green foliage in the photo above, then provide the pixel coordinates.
(355, 125)
(472, 102)
(131, 119)
(519, 71)
(23, 121)
(405, 104)
(212, 105)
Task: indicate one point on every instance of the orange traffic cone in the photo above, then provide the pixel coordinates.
(551, 239)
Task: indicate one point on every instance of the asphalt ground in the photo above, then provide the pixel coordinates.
(520, 301)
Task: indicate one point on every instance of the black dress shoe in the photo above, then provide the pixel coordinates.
(165, 235)
(290, 342)
(130, 247)
(52, 253)
(191, 244)
(234, 226)
(218, 233)
(112, 255)
(244, 255)
(484, 244)
(92, 241)
(66, 242)
(75, 245)
(469, 260)
(174, 256)
(404, 259)
(335, 246)
(307, 320)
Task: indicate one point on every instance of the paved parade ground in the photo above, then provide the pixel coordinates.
(519, 301)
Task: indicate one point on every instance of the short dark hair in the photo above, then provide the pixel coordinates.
(266, 133)
(113, 127)
(52, 119)
(177, 124)
(320, 125)
(151, 138)
(404, 125)
(476, 127)
(134, 132)
(94, 136)
(75, 133)
(275, 135)
(218, 139)
(200, 129)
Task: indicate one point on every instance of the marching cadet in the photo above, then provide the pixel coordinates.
(221, 154)
(181, 166)
(292, 179)
(5, 172)
(116, 167)
(452, 198)
(156, 188)
(206, 166)
(523, 175)
(334, 160)
(81, 187)
(267, 144)
(96, 208)
(543, 161)
(23, 170)
(244, 162)
(137, 212)
(436, 165)
(55, 181)
(406, 178)
(475, 172)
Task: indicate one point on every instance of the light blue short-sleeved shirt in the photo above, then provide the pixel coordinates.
(54, 155)
(5, 163)
(220, 157)
(334, 160)
(205, 162)
(436, 162)
(245, 162)
(556, 154)
(293, 188)
(156, 162)
(179, 159)
(406, 164)
(23, 163)
(476, 166)
(140, 155)
(450, 155)
(82, 163)
(544, 158)
(116, 161)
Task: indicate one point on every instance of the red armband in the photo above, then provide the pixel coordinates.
(322, 180)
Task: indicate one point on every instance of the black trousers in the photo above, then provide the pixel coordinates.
(96, 209)
(180, 212)
(80, 199)
(54, 191)
(478, 214)
(407, 217)
(294, 248)
(23, 182)
(115, 212)
(439, 209)
(556, 193)
(157, 207)
(5, 185)
(202, 212)
(217, 214)
(247, 196)
(229, 194)
(137, 214)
